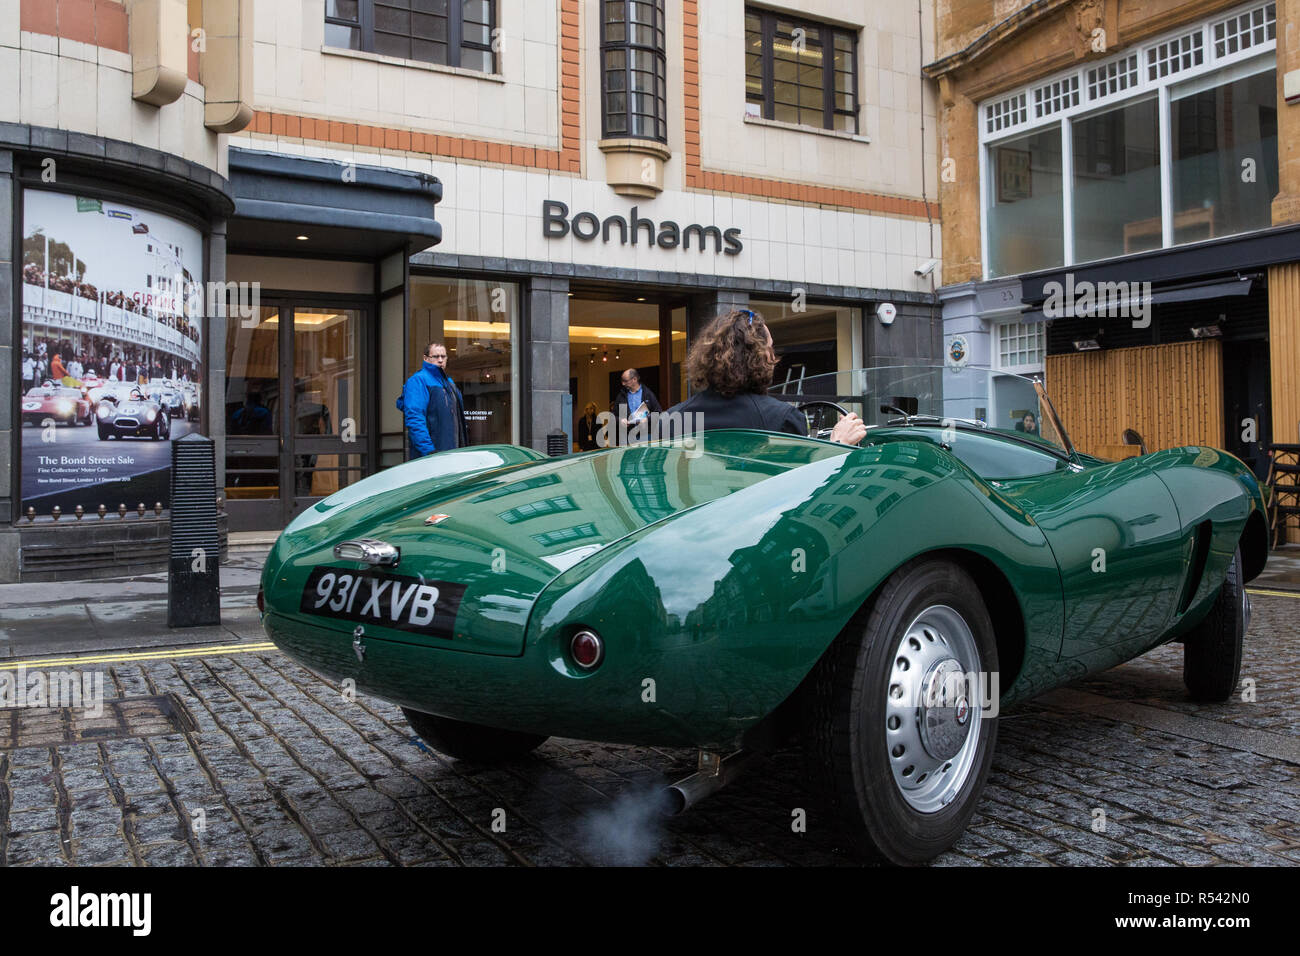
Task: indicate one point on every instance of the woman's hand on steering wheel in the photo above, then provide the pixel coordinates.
(849, 430)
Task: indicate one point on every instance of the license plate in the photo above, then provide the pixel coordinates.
(417, 605)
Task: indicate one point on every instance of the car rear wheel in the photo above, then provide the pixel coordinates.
(472, 742)
(1212, 651)
(900, 740)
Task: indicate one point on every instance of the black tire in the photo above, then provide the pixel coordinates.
(158, 430)
(1212, 650)
(104, 433)
(471, 742)
(848, 746)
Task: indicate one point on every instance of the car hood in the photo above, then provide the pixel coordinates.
(511, 525)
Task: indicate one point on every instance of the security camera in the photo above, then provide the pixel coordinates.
(925, 268)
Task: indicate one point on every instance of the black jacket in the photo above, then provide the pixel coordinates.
(620, 408)
(747, 410)
(587, 431)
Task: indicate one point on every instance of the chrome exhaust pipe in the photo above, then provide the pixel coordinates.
(715, 773)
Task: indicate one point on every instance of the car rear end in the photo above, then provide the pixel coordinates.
(422, 593)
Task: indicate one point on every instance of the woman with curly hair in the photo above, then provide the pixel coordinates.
(731, 365)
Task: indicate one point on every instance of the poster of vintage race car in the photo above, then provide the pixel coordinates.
(741, 590)
(58, 404)
(111, 300)
(132, 411)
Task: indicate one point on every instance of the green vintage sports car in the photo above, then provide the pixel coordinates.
(736, 590)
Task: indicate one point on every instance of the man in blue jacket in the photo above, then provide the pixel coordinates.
(433, 406)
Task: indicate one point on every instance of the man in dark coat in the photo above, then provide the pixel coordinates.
(631, 395)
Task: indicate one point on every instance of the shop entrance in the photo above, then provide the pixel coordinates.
(296, 426)
(1246, 399)
(610, 334)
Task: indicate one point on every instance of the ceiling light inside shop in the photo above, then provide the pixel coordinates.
(478, 330)
(616, 336)
(302, 238)
(303, 320)
(812, 53)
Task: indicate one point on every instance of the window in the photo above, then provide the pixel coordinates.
(448, 32)
(1113, 77)
(550, 539)
(539, 509)
(1026, 220)
(1117, 181)
(811, 343)
(1021, 346)
(1224, 146)
(799, 71)
(1084, 166)
(1251, 28)
(477, 320)
(634, 70)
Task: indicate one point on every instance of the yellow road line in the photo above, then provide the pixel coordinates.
(218, 650)
(126, 658)
(1268, 593)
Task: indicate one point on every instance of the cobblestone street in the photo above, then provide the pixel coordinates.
(264, 763)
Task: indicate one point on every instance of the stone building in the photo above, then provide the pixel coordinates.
(260, 213)
(1119, 195)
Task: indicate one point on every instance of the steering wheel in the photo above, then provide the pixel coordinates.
(817, 412)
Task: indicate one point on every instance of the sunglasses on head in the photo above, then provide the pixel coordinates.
(750, 314)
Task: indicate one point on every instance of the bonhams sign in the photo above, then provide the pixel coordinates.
(633, 229)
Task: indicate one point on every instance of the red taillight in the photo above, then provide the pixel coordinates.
(586, 649)
(261, 602)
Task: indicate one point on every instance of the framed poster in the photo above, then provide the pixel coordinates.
(112, 348)
(1014, 175)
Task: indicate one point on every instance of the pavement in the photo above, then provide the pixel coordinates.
(69, 617)
(1282, 572)
(227, 752)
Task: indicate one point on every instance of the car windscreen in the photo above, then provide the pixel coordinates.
(892, 395)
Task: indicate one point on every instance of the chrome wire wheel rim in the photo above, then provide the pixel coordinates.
(933, 709)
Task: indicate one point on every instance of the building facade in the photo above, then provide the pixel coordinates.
(556, 190)
(1119, 208)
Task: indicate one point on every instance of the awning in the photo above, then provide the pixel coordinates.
(1122, 299)
(352, 211)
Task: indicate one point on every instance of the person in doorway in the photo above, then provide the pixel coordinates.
(731, 365)
(433, 406)
(632, 395)
(252, 418)
(587, 428)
